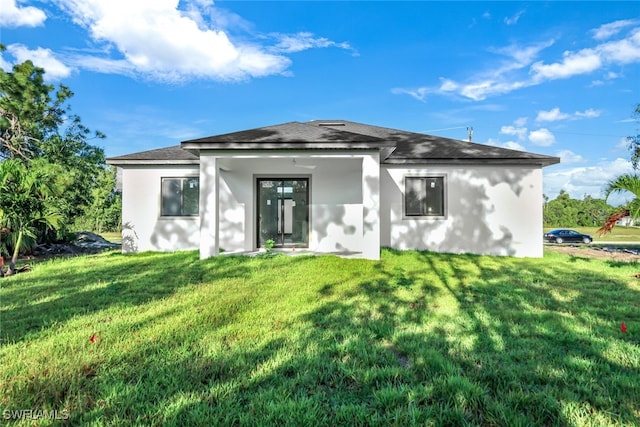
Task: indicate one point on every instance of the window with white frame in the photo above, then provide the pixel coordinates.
(180, 196)
(424, 196)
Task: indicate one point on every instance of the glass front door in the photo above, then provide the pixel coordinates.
(283, 211)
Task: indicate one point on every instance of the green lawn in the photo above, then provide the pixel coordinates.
(415, 339)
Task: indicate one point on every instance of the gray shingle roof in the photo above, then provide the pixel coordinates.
(169, 155)
(412, 147)
(292, 135)
(397, 146)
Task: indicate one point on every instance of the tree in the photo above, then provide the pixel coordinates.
(564, 211)
(593, 212)
(627, 182)
(28, 113)
(561, 211)
(36, 122)
(83, 163)
(28, 200)
(634, 142)
(104, 212)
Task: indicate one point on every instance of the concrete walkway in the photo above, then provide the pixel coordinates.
(296, 252)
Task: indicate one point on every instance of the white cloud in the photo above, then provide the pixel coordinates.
(289, 43)
(611, 29)
(523, 55)
(481, 90)
(568, 156)
(157, 40)
(573, 63)
(588, 114)
(520, 122)
(420, 93)
(517, 129)
(447, 85)
(198, 11)
(494, 81)
(103, 65)
(521, 68)
(581, 181)
(226, 20)
(512, 20)
(542, 137)
(12, 15)
(584, 61)
(44, 58)
(552, 115)
(623, 144)
(521, 132)
(623, 51)
(555, 115)
(511, 145)
(177, 40)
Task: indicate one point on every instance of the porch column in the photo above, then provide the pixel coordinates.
(209, 206)
(371, 206)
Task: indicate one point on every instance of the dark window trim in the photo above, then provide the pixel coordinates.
(445, 207)
(182, 179)
(277, 176)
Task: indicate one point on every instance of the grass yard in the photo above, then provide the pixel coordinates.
(416, 339)
(112, 236)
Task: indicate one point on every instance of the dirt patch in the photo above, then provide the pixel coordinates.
(612, 254)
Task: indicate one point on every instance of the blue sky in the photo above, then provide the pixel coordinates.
(557, 78)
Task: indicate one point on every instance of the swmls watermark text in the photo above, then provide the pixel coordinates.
(35, 414)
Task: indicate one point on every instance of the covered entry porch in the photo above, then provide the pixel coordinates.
(319, 201)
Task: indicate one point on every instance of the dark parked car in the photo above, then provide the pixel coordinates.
(567, 236)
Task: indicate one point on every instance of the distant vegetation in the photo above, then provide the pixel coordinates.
(563, 211)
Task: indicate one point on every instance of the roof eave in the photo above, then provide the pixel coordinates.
(127, 162)
(478, 161)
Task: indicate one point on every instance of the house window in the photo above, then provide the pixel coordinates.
(424, 196)
(180, 196)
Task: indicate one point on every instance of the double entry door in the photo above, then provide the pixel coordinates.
(283, 211)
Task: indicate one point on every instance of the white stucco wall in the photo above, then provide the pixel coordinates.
(143, 228)
(492, 209)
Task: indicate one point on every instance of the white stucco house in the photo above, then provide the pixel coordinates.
(332, 186)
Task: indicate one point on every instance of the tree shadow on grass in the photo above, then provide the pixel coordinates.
(417, 339)
(623, 264)
(548, 337)
(85, 285)
(377, 354)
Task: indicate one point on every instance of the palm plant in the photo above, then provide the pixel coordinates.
(27, 194)
(624, 183)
